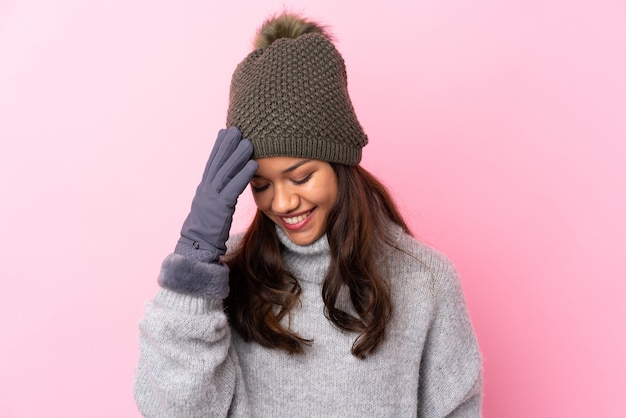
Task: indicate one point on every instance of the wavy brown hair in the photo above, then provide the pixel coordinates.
(263, 291)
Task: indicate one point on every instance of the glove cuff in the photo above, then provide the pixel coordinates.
(190, 277)
(196, 251)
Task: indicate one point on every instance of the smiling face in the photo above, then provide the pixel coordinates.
(297, 194)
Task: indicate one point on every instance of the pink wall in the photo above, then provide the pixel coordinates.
(499, 126)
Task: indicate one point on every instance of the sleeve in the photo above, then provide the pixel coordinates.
(187, 366)
(451, 364)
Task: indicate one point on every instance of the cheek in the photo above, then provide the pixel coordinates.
(326, 196)
(332, 198)
(333, 192)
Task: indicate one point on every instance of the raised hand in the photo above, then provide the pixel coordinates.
(226, 175)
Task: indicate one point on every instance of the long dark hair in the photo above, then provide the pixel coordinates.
(263, 291)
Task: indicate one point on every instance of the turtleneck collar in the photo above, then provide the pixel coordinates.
(318, 247)
(307, 262)
(310, 262)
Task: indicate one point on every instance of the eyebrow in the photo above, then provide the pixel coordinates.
(296, 165)
(291, 168)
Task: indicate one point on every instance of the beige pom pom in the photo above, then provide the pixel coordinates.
(286, 25)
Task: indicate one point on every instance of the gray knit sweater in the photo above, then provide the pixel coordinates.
(193, 364)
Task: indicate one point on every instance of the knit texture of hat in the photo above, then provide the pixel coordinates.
(290, 95)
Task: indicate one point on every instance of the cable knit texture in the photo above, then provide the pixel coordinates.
(193, 364)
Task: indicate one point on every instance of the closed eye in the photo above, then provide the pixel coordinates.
(304, 180)
(256, 189)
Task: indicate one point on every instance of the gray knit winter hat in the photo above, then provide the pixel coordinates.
(290, 95)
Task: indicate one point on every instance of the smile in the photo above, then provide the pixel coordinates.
(298, 221)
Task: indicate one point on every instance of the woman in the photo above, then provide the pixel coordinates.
(326, 306)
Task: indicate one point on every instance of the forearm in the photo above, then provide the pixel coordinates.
(185, 368)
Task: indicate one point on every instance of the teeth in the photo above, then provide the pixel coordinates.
(296, 219)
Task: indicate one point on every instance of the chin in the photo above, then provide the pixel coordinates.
(304, 239)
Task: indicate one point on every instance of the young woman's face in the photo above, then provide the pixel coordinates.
(297, 194)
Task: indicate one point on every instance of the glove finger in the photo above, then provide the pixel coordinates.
(235, 163)
(238, 183)
(227, 146)
(216, 146)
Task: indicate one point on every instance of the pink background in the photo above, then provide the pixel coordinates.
(500, 127)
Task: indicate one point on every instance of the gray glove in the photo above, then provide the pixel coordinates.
(228, 171)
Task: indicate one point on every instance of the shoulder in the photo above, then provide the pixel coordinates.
(421, 276)
(416, 256)
(417, 270)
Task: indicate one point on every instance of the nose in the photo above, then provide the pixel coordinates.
(284, 200)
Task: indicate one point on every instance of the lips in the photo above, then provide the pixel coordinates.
(296, 221)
